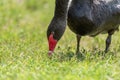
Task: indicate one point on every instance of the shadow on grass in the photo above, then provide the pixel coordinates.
(68, 55)
(100, 55)
(95, 55)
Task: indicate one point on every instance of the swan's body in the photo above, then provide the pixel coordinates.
(91, 18)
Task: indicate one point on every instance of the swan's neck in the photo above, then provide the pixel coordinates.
(61, 8)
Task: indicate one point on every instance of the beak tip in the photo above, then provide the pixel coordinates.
(50, 53)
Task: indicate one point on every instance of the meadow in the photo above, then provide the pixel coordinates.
(24, 47)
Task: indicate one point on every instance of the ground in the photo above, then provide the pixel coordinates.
(24, 46)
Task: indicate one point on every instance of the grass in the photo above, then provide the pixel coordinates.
(23, 47)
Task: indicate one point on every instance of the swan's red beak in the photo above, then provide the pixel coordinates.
(52, 43)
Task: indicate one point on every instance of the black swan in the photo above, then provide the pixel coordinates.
(84, 17)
